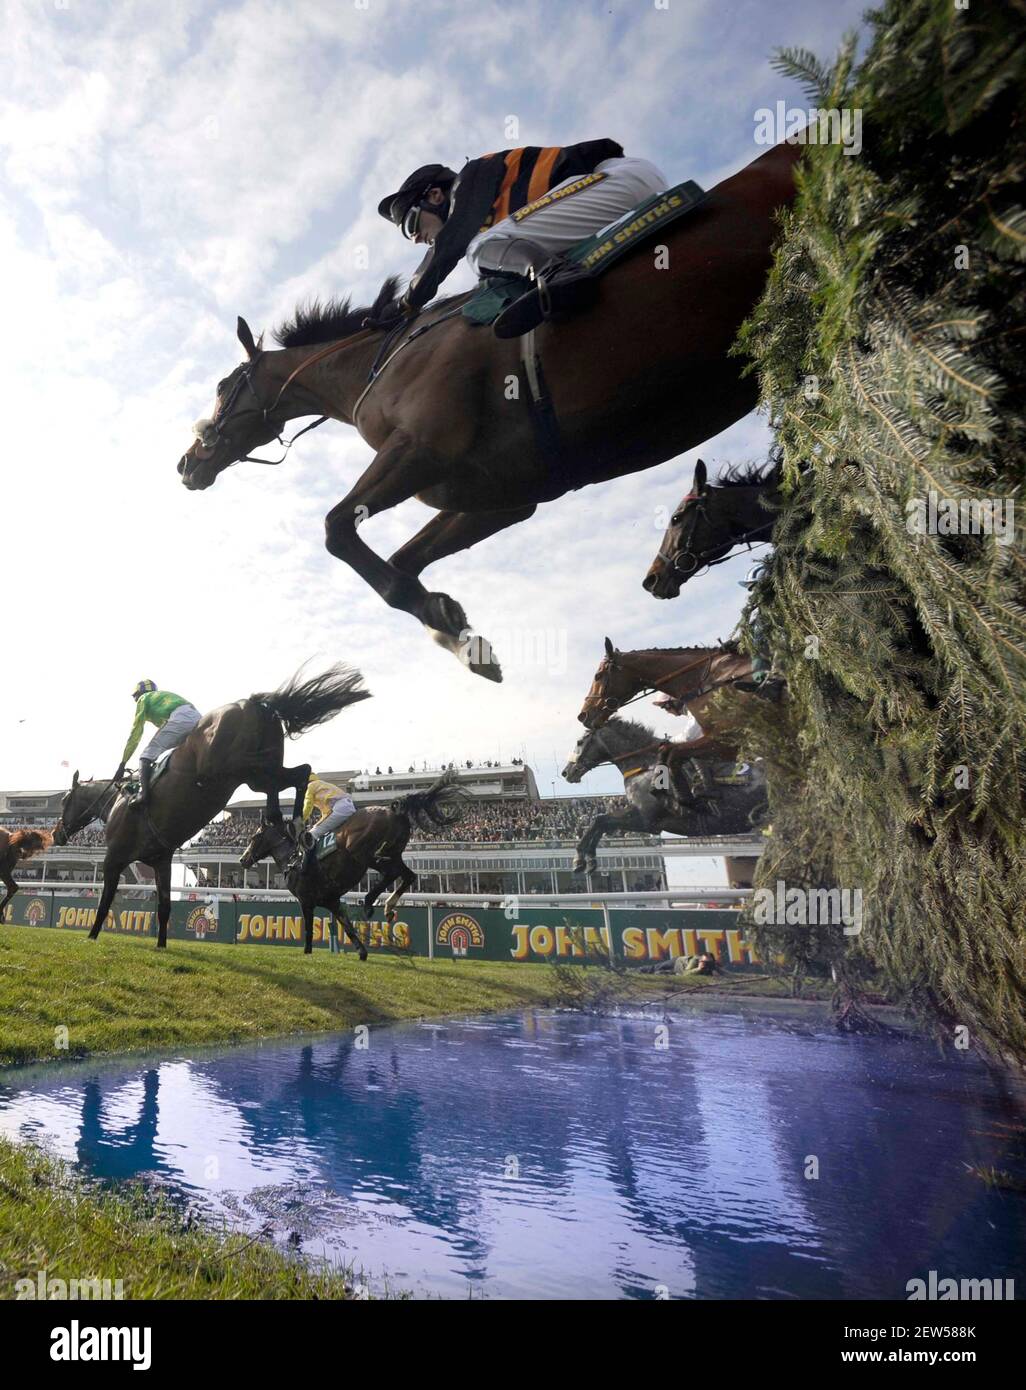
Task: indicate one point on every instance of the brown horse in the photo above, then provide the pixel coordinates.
(15, 847)
(688, 677)
(711, 521)
(635, 380)
(236, 744)
(374, 838)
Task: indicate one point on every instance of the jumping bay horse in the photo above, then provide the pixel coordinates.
(711, 521)
(688, 678)
(15, 847)
(730, 805)
(239, 743)
(374, 838)
(640, 377)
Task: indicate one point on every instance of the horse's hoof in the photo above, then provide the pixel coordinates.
(577, 867)
(591, 866)
(476, 655)
(363, 955)
(445, 617)
(391, 917)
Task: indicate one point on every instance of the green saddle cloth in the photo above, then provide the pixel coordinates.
(326, 844)
(597, 252)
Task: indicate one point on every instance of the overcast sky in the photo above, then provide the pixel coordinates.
(167, 167)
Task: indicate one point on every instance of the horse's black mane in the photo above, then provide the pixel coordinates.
(326, 321)
(631, 726)
(729, 646)
(749, 474)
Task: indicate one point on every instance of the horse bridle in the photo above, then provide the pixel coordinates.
(700, 560)
(609, 758)
(609, 706)
(267, 825)
(112, 789)
(211, 433)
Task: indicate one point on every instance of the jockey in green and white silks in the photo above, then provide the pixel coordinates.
(174, 717)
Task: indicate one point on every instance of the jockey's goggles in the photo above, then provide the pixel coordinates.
(410, 224)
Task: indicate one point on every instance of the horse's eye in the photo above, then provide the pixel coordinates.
(676, 519)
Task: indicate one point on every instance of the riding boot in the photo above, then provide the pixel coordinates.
(561, 285)
(704, 786)
(142, 796)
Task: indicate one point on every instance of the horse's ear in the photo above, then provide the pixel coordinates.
(246, 338)
(698, 483)
(74, 780)
(609, 647)
(263, 817)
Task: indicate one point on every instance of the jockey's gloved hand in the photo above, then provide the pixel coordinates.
(392, 316)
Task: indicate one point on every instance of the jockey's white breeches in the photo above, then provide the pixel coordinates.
(180, 722)
(340, 810)
(518, 244)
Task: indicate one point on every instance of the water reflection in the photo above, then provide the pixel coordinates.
(556, 1155)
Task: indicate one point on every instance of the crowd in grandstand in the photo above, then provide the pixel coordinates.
(489, 822)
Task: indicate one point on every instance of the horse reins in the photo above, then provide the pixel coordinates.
(607, 702)
(112, 787)
(378, 366)
(245, 379)
(700, 559)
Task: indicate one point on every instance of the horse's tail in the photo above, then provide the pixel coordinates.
(442, 804)
(30, 842)
(303, 704)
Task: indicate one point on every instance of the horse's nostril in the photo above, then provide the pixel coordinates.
(649, 582)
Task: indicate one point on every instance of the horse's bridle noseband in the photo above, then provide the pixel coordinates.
(111, 790)
(210, 432)
(696, 561)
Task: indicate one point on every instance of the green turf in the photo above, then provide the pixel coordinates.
(117, 994)
(55, 1222)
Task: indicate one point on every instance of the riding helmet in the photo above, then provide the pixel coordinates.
(143, 688)
(395, 207)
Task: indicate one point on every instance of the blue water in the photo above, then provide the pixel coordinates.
(555, 1155)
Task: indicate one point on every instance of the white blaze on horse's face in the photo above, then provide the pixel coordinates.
(573, 772)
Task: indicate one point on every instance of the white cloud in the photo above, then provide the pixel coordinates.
(170, 166)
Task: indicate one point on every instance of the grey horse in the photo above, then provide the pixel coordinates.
(723, 798)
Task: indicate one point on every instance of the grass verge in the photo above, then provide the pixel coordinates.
(58, 1224)
(122, 995)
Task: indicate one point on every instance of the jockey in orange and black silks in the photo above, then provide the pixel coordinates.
(517, 213)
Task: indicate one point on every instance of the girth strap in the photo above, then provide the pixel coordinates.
(540, 407)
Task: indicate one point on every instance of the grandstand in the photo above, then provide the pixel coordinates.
(510, 840)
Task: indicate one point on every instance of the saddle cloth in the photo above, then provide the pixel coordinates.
(597, 252)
